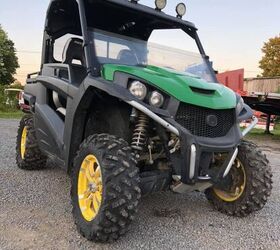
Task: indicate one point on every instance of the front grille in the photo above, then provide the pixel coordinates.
(205, 122)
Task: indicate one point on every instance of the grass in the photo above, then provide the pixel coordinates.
(255, 133)
(259, 133)
(17, 114)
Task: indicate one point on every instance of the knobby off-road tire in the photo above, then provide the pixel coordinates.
(258, 183)
(32, 159)
(120, 188)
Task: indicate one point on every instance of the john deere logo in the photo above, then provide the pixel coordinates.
(212, 120)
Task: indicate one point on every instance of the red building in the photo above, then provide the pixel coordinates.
(233, 79)
(267, 105)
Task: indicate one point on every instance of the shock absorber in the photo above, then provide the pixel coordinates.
(140, 132)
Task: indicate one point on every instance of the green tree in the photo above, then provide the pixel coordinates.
(270, 63)
(8, 59)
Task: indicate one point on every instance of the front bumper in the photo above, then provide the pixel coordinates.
(251, 126)
(194, 148)
(197, 153)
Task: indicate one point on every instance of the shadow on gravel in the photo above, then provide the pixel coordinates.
(167, 213)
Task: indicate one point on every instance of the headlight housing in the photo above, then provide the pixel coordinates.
(240, 105)
(156, 99)
(181, 10)
(138, 89)
(160, 4)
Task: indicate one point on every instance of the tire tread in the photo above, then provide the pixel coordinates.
(34, 158)
(114, 216)
(258, 188)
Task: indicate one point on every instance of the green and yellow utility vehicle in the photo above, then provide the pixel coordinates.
(127, 117)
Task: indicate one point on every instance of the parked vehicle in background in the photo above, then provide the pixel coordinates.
(14, 97)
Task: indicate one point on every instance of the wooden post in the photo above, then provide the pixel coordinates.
(268, 119)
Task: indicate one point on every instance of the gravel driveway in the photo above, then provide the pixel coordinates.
(35, 213)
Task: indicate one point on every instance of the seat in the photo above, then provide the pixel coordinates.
(126, 56)
(73, 51)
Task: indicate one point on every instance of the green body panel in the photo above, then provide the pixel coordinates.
(177, 84)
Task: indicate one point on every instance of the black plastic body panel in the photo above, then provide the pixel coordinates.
(212, 145)
(30, 99)
(49, 130)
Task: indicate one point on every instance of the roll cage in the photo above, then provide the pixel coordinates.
(117, 16)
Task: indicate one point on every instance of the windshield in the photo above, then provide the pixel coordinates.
(116, 49)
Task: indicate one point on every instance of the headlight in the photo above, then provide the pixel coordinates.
(181, 10)
(240, 105)
(138, 89)
(160, 4)
(156, 99)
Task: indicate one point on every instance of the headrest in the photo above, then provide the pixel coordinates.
(73, 50)
(126, 56)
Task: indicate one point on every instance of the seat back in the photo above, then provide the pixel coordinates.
(126, 56)
(73, 50)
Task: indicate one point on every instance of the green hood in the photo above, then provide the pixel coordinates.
(179, 85)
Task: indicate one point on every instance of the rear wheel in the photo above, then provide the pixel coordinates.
(250, 183)
(28, 154)
(105, 188)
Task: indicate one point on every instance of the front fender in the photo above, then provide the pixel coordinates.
(80, 103)
(121, 92)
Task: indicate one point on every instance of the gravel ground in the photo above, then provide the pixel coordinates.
(35, 213)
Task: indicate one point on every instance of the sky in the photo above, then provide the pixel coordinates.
(232, 32)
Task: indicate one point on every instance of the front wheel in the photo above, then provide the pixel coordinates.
(105, 188)
(250, 183)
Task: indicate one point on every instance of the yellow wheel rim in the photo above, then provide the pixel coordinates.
(90, 187)
(239, 174)
(23, 142)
